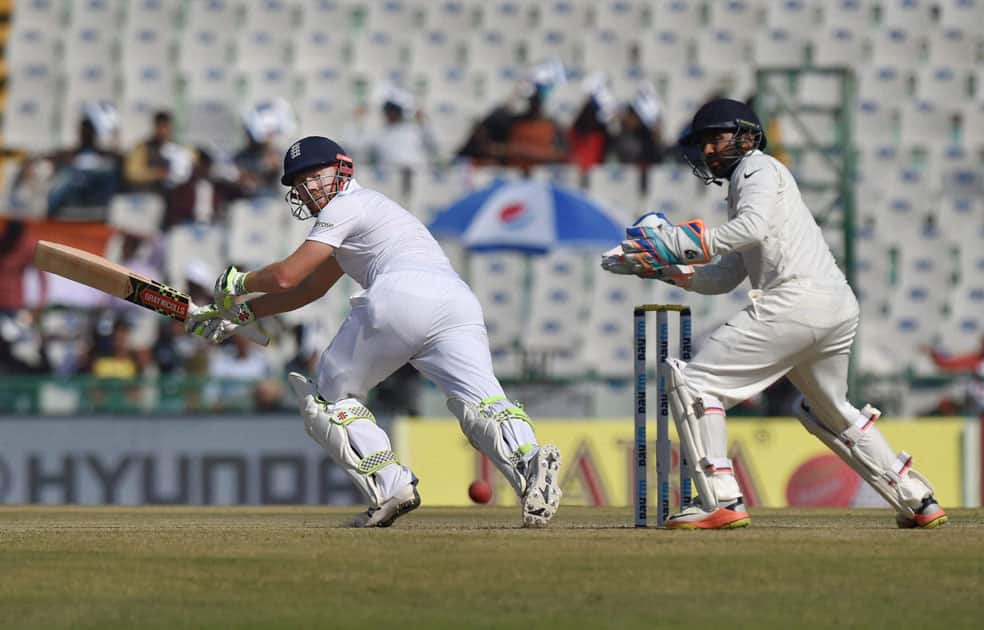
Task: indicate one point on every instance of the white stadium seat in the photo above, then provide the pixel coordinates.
(925, 124)
(507, 16)
(377, 54)
(275, 15)
(40, 14)
(954, 47)
(722, 48)
(604, 48)
(95, 14)
(263, 84)
(682, 16)
(875, 123)
(548, 45)
(28, 121)
(453, 16)
(316, 48)
(213, 15)
(137, 213)
(497, 280)
(795, 16)
(622, 16)
(972, 124)
(779, 48)
(557, 302)
(563, 15)
(961, 13)
(888, 84)
(204, 47)
(741, 16)
(837, 47)
(819, 90)
(144, 44)
(896, 47)
(157, 14)
(943, 85)
(32, 45)
(915, 16)
(192, 243)
(665, 48)
(617, 186)
(492, 48)
(261, 47)
(397, 17)
(254, 231)
(89, 45)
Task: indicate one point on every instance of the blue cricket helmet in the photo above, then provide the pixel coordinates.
(313, 151)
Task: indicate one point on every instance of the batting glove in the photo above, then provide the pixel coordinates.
(200, 318)
(230, 283)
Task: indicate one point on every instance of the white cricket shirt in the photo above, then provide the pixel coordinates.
(373, 235)
(770, 234)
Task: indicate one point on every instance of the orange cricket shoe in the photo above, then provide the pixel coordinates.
(694, 516)
(928, 516)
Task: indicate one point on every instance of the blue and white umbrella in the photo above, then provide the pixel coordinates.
(530, 216)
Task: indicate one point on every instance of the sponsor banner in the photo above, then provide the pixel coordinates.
(215, 460)
(778, 463)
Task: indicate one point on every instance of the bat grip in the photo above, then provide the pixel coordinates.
(254, 334)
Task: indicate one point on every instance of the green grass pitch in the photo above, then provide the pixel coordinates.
(299, 567)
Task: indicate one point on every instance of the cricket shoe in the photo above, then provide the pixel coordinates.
(928, 516)
(407, 500)
(542, 496)
(694, 516)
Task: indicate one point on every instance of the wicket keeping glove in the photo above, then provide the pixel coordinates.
(658, 243)
(229, 284)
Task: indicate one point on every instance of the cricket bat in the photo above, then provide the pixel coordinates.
(114, 279)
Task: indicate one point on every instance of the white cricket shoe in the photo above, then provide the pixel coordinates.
(542, 496)
(726, 516)
(404, 501)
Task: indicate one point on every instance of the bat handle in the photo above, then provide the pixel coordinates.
(254, 334)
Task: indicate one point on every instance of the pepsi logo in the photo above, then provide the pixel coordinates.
(515, 216)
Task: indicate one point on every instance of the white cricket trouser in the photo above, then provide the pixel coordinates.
(799, 330)
(430, 320)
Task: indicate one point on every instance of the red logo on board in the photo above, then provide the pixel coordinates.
(163, 303)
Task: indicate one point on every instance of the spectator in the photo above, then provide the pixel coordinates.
(486, 143)
(588, 138)
(257, 165)
(16, 254)
(234, 371)
(158, 164)
(112, 357)
(86, 175)
(971, 363)
(405, 141)
(533, 137)
(639, 137)
(201, 197)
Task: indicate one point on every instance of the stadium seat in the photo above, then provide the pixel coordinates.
(778, 48)
(490, 49)
(819, 90)
(321, 112)
(452, 16)
(152, 14)
(263, 84)
(507, 16)
(681, 16)
(211, 82)
(897, 47)
(875, 123)
(377, 54)
(621, 16)
(145, 44)
(213, 15)
(397, 17)
(29, 109)
(915, 16)
(565, 102)
(95, 14)
(923, 259)
(204, 47)
(943, 85)
(954, 169)
(137, 213)
(793, 16)
(837, 46)
(433, 190)
(740, 16)
(189, 244)
(672, 190)
(262, 47)
(316, 48)
(961, 13)
(608, 347)
(48, 15)
(436, 48)
(604, 49)
(32, 45)
(818, 127)
(888, 84)
(617, 186)
(91, 83)
(955, 214)
(452, 124)
(90, 46)
(551, 44)
(563, 15)
(498, 280)
(558, 306)
(214, 125)
(962, 330)
(253, 231)
(665, 49)
(277, 16)
(954, 47)
(722, 48)
(924, 123)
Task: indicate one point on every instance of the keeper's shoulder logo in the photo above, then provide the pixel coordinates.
(321, 226)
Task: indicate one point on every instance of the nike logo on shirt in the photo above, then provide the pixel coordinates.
(747, 175)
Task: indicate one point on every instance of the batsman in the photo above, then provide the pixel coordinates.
(801, 323)
(413, 308)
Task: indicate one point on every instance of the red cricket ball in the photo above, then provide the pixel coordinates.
(480, 491)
